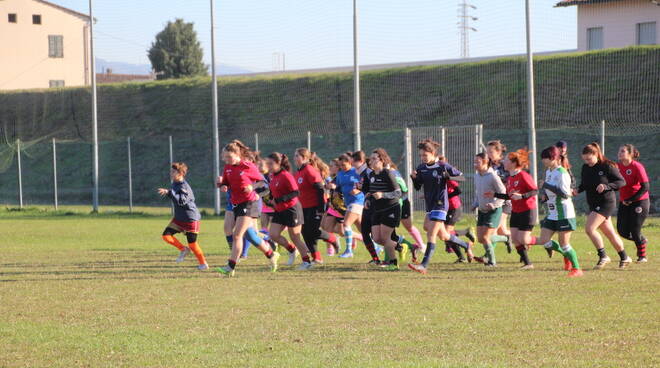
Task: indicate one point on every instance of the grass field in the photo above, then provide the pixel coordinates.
(103, 291)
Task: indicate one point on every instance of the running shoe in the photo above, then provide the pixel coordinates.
(418, 268)
(576, 272)
(182, 255)
(348, 253)
(226, 271)
(642, 260)
(203, 267)
(602, 262)
(625, 262)
(305, 266)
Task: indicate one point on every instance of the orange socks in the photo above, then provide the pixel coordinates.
(197, 251)
(169, 239)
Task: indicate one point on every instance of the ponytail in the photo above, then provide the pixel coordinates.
(239, 148)
(281, 159)
(632, 150)
(520, 158)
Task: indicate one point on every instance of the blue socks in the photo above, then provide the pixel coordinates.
(348, 234)
(430, 249)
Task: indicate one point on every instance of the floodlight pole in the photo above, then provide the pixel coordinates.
(95, 134)
(216, 137)
(531, 117)
(356, 82)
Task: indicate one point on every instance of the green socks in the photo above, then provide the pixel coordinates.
(490, 253)
(569, 253)
(498, 239)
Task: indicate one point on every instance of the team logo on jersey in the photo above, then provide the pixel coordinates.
(515, 183)
(300, 180)
(372, 179)
(628, 172)
(391, 215)
(435, 174)
(597, 208)
(638, 210)
(600, 173)
(240, 173)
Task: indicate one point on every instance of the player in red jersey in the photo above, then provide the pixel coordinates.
(634, 198)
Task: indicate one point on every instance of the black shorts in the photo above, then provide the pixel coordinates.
(606, 209)
(523, 221)
(453, 216)
(249, 208)
(405, 209)
(390, 217)
(291, 217)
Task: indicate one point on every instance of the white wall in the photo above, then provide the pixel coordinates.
(619, 21)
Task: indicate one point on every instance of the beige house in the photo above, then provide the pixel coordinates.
(43, 45)
(606, 24)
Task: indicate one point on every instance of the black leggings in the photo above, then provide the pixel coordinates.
(630, 219)
(311, 229)
(191, 237)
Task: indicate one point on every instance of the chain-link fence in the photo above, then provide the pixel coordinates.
(418, 73)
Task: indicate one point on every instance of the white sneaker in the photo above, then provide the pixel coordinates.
(304, 266)
(625, 262)
(203, 267)
(292, 257)
(182, 255)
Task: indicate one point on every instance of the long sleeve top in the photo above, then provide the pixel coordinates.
(600, 173)
(487, 182)
(182, 197)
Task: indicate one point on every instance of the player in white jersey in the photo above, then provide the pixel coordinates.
(556, 192)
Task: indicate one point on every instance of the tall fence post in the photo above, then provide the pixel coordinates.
(55, 202)
(171, 162)
(443, 141)
(256, 141)
(602, 135)
(20, 174)
(481, 136)
(130, 176)
(476, 140)
(407, 142)
(309, 140)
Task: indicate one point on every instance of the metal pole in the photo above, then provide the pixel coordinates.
(407, 141)
(171, 162)
(356, 81)
(309, 140)
(95, 135)
(481, 137)
(130, 176)
(531, 120)
(256, 141)
(443, 141)
(20, 173)
(476, 140)
(216, 136)
(55, 175)
(602, 135)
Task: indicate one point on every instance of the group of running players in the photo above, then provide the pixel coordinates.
(324, 202)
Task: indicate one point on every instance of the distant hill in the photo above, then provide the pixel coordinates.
(119, 67)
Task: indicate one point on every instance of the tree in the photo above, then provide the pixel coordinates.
(177, 53)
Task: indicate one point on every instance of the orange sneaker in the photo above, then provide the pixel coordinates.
(418, 268)
(567, 264)
(576, 272)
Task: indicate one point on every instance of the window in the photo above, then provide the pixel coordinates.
(56, 83)
(646, 33)
(55, 46)
(595, 38)
(36, 19)
(12, 17)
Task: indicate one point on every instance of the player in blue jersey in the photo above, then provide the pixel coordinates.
(432, 175)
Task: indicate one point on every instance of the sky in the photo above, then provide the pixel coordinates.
(318, 33)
